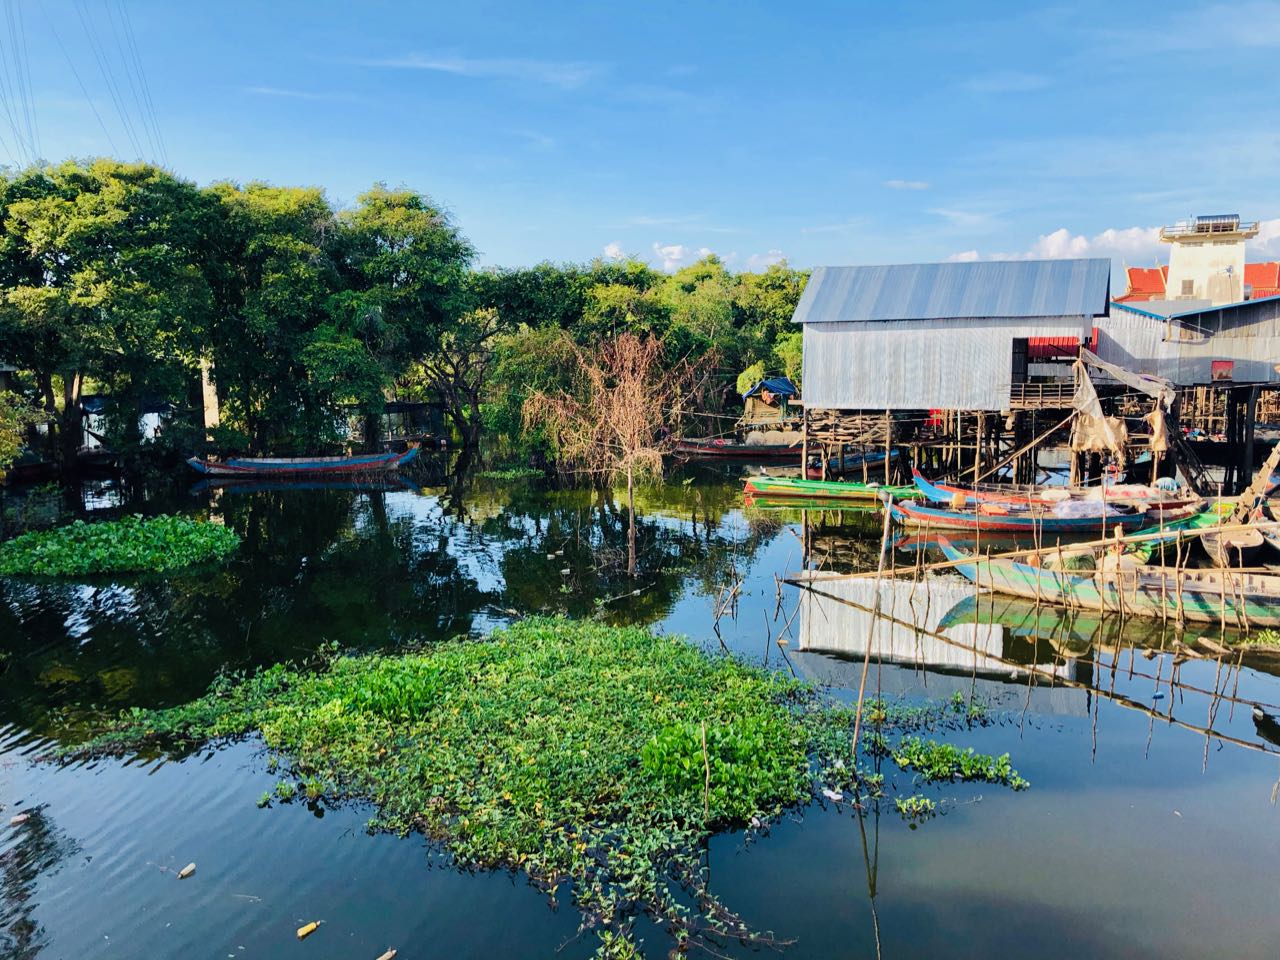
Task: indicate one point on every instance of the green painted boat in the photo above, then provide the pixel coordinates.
(794, 487)
(1235, 598)
(1176, 531)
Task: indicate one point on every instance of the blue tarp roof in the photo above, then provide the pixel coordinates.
(782, 386)
(942, 291)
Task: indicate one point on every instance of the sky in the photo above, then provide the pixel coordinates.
(825, 133)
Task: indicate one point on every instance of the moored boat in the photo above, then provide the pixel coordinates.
(1030, 518)
(302, 466)
(736, 450)
(1199, 595)
(1133, 494)
(793, 487)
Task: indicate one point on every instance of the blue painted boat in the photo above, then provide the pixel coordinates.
(303, 466)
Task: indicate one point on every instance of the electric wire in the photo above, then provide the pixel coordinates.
(108, 77)
(80, 82)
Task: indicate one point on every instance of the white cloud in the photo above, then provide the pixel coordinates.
(762, 261)
(613, 251)
(1266, 245)
(964, 256)
(1218, 28)
(907, 184)
(672, 255)
(565, 74)
(966, 219)
(1134, 246)
(299, 94)
(1006, 81)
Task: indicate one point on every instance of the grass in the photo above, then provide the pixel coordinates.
(129, 545)
(573, 752)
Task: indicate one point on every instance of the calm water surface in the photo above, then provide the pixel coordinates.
(1140, 836)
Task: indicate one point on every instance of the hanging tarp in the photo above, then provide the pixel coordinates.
(1157, 387)
(778, 386)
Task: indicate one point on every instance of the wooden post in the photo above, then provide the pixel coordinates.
(804, 443)
(1250, 416)
(977, 448)
(888, 445)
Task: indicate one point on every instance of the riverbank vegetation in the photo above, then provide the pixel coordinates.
(129, 545)
(593, 758)
(126, 281)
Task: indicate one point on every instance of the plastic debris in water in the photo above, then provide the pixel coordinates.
(832, 794)
(389, 955)
(308, 929)
(187, 871)
(565, 572)
(19, 819)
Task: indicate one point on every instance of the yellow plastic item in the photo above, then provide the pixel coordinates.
(186, 871)
(389, 955)
(308, 929)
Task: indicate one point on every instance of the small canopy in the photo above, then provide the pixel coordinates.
(778, 386)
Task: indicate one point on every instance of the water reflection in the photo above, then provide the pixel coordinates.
(32, 849)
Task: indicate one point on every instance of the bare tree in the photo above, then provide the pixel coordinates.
(620, 416)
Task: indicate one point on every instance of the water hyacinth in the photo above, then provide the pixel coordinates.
(603, 756)
(129, 545)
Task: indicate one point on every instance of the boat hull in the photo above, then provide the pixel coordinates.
(794, 488)
(939, 492)
(1207, 595)
(728, 450)
(303, 466)
(920, 515)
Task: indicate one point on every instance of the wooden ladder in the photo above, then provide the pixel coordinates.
(1197, 476)
(1257, 489)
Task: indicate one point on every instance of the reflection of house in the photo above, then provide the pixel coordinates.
(938, 658)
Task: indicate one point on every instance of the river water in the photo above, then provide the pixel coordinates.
(1140, 836)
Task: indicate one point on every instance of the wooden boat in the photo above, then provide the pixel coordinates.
(1132, 494)
(850, 463)
(302, 466)
(1030, 519)
(736, 450)
(793, 487)
(1233, 549)
(1200, 595)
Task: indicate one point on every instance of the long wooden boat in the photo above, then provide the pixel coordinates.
(303, 466)
(1133, 494)
(850, 463)
(735, 450)
(794, 487)
(1199, 595)
(1032, 519)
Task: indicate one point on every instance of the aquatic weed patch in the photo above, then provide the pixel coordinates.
(574, 752)
(510, 473)
(129, 545)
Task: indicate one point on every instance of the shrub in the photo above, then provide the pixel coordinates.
(129, 545)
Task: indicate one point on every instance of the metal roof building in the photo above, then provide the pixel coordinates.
(939, 335)
(1238, 341)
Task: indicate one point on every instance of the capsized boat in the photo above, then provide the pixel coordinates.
(794, 487)
(1200, 595)
(1129, 493)
(1014, 518)
(302, 466)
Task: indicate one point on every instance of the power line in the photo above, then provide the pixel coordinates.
(33, 125)
(108, 77)
(131, 79)
(142, 78)
(76, 73)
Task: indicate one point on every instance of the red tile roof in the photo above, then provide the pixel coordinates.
(1145, 283)
(1264, 278)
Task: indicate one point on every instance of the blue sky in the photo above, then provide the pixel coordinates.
(825, 133)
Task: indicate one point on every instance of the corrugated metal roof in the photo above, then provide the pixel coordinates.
(943, 291)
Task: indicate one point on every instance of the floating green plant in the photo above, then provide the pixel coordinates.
(129, 545)
(574, 752)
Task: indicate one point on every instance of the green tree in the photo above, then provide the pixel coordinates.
(409, 264)
(16, 414)
(103, 269)
(275, 288)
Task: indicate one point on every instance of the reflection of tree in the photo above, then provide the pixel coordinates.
(39, 850)
(365, 570)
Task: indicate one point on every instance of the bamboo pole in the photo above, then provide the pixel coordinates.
(1024, 449)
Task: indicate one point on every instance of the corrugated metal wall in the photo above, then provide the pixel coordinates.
(1137, 342)
(920, 364)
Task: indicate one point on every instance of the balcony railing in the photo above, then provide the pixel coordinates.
(1039, 396)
